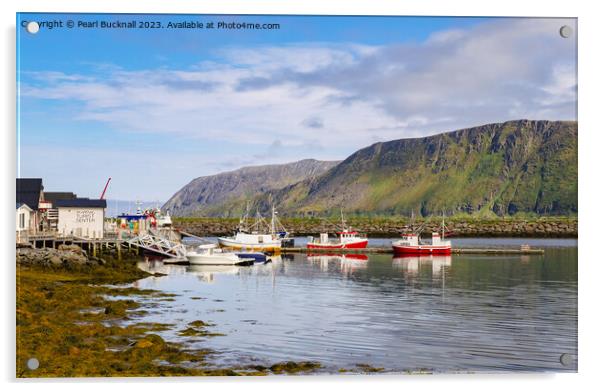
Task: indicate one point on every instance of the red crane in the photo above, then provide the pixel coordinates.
(102, 196)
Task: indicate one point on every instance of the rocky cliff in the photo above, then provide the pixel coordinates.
(226, 194)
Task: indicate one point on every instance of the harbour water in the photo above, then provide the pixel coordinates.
(461, 313)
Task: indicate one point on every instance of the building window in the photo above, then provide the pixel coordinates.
(21, 220)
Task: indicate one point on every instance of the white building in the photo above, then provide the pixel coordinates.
(24, 221)
(81, 217)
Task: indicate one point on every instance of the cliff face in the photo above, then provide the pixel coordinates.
(501, 168)
(226, 194)
(516, 166)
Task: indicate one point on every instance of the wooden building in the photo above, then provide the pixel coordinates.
(81, 217)
(24, 222)
(30, 192)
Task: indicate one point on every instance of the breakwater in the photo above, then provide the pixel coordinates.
(561, 227)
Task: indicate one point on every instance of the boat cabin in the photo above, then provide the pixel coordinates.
(409, 240)
(414, 240)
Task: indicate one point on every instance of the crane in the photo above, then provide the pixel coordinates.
(102, 196)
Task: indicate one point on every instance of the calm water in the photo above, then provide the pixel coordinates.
(460, 313)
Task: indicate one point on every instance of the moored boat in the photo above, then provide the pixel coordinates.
(347, 238)
(210, 254)
(411, 244)
(251, 242)
(260, 236)
(256, 257)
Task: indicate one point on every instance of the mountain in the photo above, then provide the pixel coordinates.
(226, 194)
(504, 168)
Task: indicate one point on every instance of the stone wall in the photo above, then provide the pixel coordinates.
(549, 227)
(64, 256)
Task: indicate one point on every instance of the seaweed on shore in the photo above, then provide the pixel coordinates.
(71, 320)
(66, 321)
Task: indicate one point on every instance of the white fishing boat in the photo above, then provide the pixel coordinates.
(163, 220)
(260, 236)
(210, 254)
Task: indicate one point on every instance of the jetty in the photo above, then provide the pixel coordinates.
(166, 243)
(523, 250)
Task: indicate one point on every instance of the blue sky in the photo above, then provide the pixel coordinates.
(154, 109)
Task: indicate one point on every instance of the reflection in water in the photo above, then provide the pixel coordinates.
(474, 313)
(206, 273)
(348, 263)
(411, 265)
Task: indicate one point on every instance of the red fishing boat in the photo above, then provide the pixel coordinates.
(410, 244)
(346, 239)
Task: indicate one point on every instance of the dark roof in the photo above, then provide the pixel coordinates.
(28, 191)
(81, 202)
(54, 196)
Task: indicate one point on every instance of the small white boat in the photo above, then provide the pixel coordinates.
(210, 254)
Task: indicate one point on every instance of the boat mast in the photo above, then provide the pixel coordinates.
(443, 227)
(273, 224)
(343, 222)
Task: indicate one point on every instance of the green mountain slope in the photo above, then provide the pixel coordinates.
(516, 166)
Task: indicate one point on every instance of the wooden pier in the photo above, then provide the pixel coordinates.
(169, 245)
(151, 242)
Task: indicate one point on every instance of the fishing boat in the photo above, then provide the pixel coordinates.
(347, 238)
(163, 220)
(260, 236)
(127, 217)
(210, 254)
(411, 244)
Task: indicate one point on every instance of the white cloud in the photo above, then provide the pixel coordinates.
(500, 70)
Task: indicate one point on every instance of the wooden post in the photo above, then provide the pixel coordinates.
(119, 251)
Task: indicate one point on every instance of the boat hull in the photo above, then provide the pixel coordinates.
(326, 246)
(213, 259)
(253, 256)
(232, 244)
(421, 250)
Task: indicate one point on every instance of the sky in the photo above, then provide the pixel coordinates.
(155, 108)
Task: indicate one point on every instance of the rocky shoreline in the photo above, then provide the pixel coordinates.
(542, 228)
(76, 317)
(67, 256)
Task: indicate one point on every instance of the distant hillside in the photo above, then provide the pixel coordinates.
(226, 194)
(516, 166)
(503, 168)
